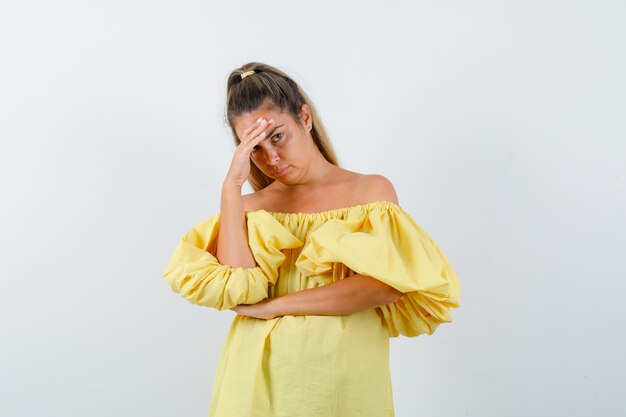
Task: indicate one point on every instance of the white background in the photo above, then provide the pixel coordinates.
(501, 125)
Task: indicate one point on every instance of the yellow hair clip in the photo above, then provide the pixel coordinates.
(245, 74)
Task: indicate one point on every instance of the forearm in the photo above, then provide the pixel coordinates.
(232, 242)
(349, 295)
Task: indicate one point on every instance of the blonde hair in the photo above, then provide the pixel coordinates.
(247, 94)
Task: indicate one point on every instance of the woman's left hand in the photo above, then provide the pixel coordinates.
(261, 310)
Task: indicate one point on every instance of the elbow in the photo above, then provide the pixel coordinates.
(393, 295)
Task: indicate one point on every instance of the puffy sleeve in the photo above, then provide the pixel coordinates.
(194, 271)
(387, 244)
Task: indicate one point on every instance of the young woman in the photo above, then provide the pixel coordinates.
(321, 264)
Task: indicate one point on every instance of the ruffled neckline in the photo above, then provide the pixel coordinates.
(332, 213)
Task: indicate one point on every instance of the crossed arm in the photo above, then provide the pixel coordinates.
(349, 295)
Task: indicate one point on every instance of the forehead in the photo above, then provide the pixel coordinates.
(244, 121)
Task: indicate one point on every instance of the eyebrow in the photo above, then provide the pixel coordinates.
(272, 131)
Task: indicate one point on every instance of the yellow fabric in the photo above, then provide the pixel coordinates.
(195, 273)
(315, 365)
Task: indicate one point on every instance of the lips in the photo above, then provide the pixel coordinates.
(281, 170)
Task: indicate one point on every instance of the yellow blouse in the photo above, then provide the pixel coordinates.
(315, 365)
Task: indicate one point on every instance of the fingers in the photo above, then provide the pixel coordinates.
(250, 144)
(255, 130)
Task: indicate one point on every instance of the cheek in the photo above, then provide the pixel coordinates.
(259, 159)
(256, 160)
(290, 149)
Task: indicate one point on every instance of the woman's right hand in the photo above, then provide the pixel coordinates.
(240, 165)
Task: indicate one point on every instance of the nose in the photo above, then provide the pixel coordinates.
(271, 156)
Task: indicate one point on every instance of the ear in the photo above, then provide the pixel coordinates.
(305, 115)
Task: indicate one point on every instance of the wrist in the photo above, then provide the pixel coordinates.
(276, 306)
(229, 187)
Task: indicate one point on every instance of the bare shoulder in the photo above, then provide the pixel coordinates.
(378, 188)
(252, 201)
(264, 199)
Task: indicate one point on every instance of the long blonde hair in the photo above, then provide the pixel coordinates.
(247, 94)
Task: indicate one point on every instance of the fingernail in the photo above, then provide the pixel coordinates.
(259, 119)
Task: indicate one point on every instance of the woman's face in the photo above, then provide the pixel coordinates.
(286, 151)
